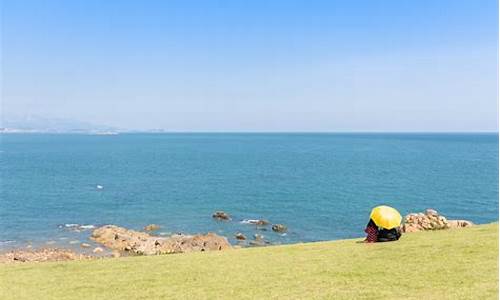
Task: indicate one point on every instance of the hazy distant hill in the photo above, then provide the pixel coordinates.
(42, 124)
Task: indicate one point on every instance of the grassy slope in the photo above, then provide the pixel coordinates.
(453, 264)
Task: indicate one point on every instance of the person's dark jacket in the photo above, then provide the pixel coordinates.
(388, 235)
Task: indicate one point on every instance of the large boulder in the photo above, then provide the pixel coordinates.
(430, 220)
(119, 238)
(140, 243)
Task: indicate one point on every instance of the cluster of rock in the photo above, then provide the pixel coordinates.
(258, 240)
(260, 224)
(430, 220)
(141, 243)
(40, 255)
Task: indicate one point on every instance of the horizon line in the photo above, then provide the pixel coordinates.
(159, 131)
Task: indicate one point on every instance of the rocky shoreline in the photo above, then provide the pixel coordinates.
(115, 241)
(41, 255)
(140, 243)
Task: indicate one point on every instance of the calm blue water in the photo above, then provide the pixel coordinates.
(321, 185)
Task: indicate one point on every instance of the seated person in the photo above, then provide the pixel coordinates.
(375, 234)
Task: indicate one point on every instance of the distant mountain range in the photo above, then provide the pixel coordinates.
(52, 125)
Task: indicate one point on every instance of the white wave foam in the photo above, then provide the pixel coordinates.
(77, 227)
(87, 226)
(250, 221)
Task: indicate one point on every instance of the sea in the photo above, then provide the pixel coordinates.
(55, 188)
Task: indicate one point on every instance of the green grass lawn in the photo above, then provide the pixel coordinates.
(452, 264)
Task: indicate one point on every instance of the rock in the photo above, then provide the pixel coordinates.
(85, 245)
(258, 240)
(258, 237)
(240, 236)
(459, 223)
(220, 215)
(431, 212)
(410, 228)
(118, 238)
(98, 250)
(430, 220)
(152, 227)
(210, 241)
(116, 254)
(279, 228)
(262, 223)
(40, 255)
(122, 239)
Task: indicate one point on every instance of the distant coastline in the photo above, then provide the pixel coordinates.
(41, 131)
(9, 130)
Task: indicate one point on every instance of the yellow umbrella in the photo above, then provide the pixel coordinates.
(386, 217)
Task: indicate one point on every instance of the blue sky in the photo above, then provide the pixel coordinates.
(254, 65)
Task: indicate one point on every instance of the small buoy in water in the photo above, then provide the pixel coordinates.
(99, 187)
